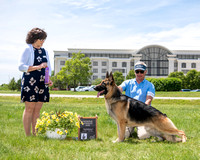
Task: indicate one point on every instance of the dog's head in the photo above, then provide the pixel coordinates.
(105, 85)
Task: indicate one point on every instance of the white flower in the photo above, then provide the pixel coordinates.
(39, 59)
(32, 97)
(32, 81)
(41, 91)
(27, 89)
(23, 98)
(42, 78)
(36, 89)
(39, 51)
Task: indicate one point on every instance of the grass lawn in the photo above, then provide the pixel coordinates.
(14, 144)
(158, 94)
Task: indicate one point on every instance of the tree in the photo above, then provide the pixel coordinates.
(97, 81)
(12, 84)
(18, 84)
(131, 74)
(179, 75)
(76, 70)
(57, 83)
(118, 77)
(192, 79)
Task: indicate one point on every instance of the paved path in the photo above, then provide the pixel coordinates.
(91, 96)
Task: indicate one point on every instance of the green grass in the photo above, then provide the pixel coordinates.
(158, 94)
(14, 144)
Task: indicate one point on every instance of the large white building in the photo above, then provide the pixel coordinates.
(160, 60)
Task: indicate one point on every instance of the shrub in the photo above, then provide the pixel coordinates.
(166, 84)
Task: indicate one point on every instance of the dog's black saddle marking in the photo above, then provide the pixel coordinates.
(139, 111)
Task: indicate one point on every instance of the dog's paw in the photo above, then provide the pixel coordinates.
(184, 138)
(117, 140)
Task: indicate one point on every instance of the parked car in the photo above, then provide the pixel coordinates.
(185, 90)
(195, 90)
(90, 88)
(79, 88)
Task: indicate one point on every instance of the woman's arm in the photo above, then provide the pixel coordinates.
(33, 68)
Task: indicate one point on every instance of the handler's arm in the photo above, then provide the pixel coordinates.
(148, 100)
(120, 88)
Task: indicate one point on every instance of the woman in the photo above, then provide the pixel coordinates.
(34, 91)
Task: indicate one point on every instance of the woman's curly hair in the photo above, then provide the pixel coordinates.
(35, 34)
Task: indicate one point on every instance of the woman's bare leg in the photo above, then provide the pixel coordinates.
(27, 117)
(36, 115)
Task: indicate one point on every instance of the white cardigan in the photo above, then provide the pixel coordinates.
(27, 59)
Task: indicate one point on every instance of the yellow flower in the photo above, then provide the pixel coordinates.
(66, 131)
(48, 121)
(57, 120)
(53, 116)
(77, 124)
(60, 133)
(71, 120)
(36, 126)
(46, 114)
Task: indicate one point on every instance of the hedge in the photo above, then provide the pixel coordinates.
(166, 84)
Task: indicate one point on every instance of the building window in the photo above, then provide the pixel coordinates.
(95, 77)
(156, 59)
(95, 70)
(103, 70)
(193, 65)
(175, 64)
(104, 63)
(183, 65)
(62, 62)
(95, 63)
(124, 64)
(114, 64)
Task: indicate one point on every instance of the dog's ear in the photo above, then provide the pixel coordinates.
(107, 74)
(111, 76)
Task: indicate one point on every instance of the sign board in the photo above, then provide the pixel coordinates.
(89, 128)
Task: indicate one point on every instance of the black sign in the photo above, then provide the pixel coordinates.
(89, 128)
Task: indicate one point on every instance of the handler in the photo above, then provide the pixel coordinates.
(34, 91)
(141, 89)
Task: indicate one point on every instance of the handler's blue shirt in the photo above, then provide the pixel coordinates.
(138, 91)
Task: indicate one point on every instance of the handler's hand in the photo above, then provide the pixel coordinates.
(50, 83)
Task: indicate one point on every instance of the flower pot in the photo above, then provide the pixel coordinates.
(54, 134)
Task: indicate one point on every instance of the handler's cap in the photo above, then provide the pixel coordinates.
(140, 66)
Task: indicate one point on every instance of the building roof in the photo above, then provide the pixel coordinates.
(186, 52)
(127, 51)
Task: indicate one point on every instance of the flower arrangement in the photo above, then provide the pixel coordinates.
(64, 121)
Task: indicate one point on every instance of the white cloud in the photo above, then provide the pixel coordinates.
(96, 24)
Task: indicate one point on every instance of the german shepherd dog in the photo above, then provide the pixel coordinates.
(129, 112)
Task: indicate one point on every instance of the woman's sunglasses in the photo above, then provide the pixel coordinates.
(139, 72)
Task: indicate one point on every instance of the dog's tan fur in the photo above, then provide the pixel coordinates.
(118, 109)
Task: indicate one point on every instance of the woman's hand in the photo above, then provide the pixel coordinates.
(42, 65)
(50, 83)
(33, 68)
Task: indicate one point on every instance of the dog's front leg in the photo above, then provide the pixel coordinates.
(117, 140)
(121, 126)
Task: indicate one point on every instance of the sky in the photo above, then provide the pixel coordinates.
(99, 24)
